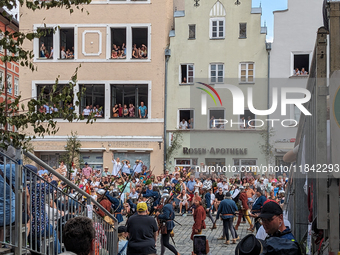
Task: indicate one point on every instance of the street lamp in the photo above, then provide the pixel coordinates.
(237, 2)
(196, 3)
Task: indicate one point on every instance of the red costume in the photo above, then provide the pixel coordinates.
(106, 204)
(199, 218)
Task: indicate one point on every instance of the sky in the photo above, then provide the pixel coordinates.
(268, 6)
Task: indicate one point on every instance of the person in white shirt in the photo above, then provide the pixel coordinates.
(261, 233)
(183, 124)
(137, 168)
(225, 186)
(87, 111)
(116, 166)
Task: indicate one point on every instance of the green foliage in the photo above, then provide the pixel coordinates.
(23, 113)
(72, 154)
(175, 145)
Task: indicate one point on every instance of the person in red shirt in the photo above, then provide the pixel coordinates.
(245, 209)
(101, 198)
(199, 218)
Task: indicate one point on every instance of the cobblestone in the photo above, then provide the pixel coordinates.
(184, 245)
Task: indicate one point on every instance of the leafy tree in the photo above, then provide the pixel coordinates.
(23, 113)
(72, 155)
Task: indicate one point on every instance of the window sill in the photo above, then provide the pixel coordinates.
(192, 38)
(185, 84)
(127, 118)
(244, 83)
(242, 38)
(221, 38)
(67, 59)
(299, 76)
(122, 2)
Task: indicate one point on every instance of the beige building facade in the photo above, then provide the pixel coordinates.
(216, 46)
(120, 47)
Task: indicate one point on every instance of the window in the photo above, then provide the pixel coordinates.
(46, 44)
(192, 31)
(216, 73)
(2, 80)
(139, 43)
(9, 83)
(248, 120)
(44, 92)
(247, 72)
(186, 119)
(66, 44)
(133, 156)
(301, 64)
(118, 46)
(215, 162)
(93, 159)
(217, 28)
(216, 119)
(185, 163)
(129, 42)
(1, 46)
(16, 86)
(52, 160)
(92, 100)
(127, 99)
(187, 74)
(243, 31)
(245, 164)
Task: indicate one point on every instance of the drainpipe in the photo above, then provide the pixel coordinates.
(167, 54)
(5, 84)
(268, 48)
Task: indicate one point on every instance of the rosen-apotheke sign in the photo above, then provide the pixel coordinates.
(212, 150)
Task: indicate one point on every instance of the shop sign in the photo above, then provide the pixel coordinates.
(215, 151)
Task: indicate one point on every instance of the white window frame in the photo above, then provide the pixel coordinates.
(211, 28)
(239, 32)
(210, 77)
(181, 166)
(129, 43)
(246, 120)
(185, 109)
(1, 47)
(240, 163)
(187, 74)
(293, 53)
(214, 109)
(57, 35)
(16, 86)
(247, 72)
(9, 83)
(36, 44)
(121, 2)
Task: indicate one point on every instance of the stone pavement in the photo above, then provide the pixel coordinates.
(184, 245)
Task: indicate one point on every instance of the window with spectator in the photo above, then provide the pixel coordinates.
(45, 91)
(92, 100)
(187, 74)
(247, 72)
(118, 43)
(192, 31)
(46, 43)
(216, 73)
(139, 43)
(249, 120)
(301, 64)
(126, 100)
(66, 44)
(243, 31)
(186, 119)
(216, 119)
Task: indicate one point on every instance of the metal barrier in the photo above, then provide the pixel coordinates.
(35, 210)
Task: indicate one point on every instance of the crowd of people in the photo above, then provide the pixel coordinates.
(132, 190)
(48, 54)
(89, 109)
(119, 52)
(186, 124)
(118, 111)
(297, 72)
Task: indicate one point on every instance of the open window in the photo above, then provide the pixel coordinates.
(118, 43)
(16, 87)
(46, 43)
(248, 120)
(186, 119)
(66, 43)
(301, 64)
(187, 74)
(9, 84)
(216, 119)
(216, 73)
(243, 31)
(45, 91)
(192, 32)
(92, 100)
(139, 43)
(127, 100)
(2, 80)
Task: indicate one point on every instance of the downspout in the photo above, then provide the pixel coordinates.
(167, 54)
(268, 48)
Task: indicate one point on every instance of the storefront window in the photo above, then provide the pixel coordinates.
(94, 160)
(53, 159)
(247, 165)
(132, 157)
(185, 163)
